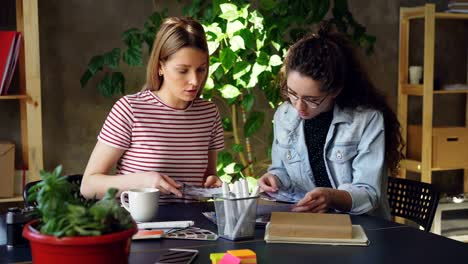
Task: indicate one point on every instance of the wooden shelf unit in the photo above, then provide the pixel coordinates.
(425, 90)
(29, 97)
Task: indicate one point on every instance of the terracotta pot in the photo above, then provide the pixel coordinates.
(109, 248)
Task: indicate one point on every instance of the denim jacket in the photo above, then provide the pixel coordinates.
(354, 154)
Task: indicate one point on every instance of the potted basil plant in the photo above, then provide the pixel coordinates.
(73, 230)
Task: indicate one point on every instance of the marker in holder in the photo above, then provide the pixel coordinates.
(235, 217)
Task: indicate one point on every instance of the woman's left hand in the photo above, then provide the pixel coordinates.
(212, 182)
(316, 201)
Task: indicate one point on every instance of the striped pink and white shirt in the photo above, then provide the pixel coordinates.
(159, 138)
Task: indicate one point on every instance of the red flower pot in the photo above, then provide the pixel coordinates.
(109, 248)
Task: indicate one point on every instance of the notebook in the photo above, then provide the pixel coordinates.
(359, 238)
(310, 228)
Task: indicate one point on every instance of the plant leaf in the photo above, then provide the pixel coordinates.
(85, 78)
(228, 11)
(132, 37)
(256, 70)
(227, 58)
(229, 91)
(275, 60)
(232, 168)
(237, 43)
(257, 20)
(105, 86)
(248, 102)
(118, 83)
(112, 58)
(233, 27)
(262, 58)
(95, 64)
(227, 124)
(237, 148)
(212, 46)
(132, 56)
(253, 123)
(224, 158)
(209, 85)
(240, 69)
(248, 37)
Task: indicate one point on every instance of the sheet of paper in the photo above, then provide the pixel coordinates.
(191, 191)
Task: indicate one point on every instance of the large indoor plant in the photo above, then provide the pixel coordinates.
(247, 41)
(73, 230)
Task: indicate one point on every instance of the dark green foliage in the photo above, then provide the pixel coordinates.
(63, 213)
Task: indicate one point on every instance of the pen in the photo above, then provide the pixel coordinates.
(168, 224)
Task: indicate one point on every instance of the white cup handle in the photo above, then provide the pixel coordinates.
(123, 201)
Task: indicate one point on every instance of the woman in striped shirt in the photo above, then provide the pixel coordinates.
(165, 134)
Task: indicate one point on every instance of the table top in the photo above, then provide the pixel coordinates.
(389, 243)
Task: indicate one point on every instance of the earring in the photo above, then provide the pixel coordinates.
(160, 73)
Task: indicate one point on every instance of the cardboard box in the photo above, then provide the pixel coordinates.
(7, 169)
(449, 146)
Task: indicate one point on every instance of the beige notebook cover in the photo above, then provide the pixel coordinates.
(290, 224)
(358, 238)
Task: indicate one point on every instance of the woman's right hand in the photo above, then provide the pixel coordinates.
(163, 182)
(268, 182)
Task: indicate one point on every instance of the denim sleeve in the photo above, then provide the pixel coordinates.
(277, 167)
(368, 167)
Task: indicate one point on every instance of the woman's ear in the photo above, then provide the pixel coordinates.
(161, 69)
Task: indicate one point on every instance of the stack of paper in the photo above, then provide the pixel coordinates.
(246, 256)
(309, 228)
(238, 256)
(458, 6)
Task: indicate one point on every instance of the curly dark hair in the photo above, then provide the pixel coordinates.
(329, 58)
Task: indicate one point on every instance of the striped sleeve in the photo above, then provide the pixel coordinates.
(117, 129)
(217, 136)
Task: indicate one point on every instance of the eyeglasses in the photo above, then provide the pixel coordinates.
(311, 102)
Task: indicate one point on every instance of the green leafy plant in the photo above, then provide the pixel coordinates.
(63, 213)
(247, 45)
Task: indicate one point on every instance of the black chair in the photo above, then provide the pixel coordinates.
(413, 200)
(75, 179)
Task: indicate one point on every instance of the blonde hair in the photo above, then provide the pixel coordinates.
(174, 34)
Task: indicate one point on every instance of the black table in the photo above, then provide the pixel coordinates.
(389, 243)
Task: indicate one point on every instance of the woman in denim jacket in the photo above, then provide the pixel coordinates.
(335, 136)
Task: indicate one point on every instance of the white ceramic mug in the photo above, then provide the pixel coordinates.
(415, 74)
(142, 203)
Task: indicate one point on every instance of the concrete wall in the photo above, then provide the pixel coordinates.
(72, 31)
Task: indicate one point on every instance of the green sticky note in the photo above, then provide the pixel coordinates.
(216, 257)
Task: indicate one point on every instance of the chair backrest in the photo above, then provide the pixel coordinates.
(75, 178)
(413, 200)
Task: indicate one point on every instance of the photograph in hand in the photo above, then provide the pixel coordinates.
(283, 196)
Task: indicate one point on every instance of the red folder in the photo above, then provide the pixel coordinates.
(9, 51)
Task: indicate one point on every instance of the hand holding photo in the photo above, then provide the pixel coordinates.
(283, 196)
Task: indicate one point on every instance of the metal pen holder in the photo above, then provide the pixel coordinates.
(235, 217)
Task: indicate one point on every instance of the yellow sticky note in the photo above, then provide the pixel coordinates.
(216, 257)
